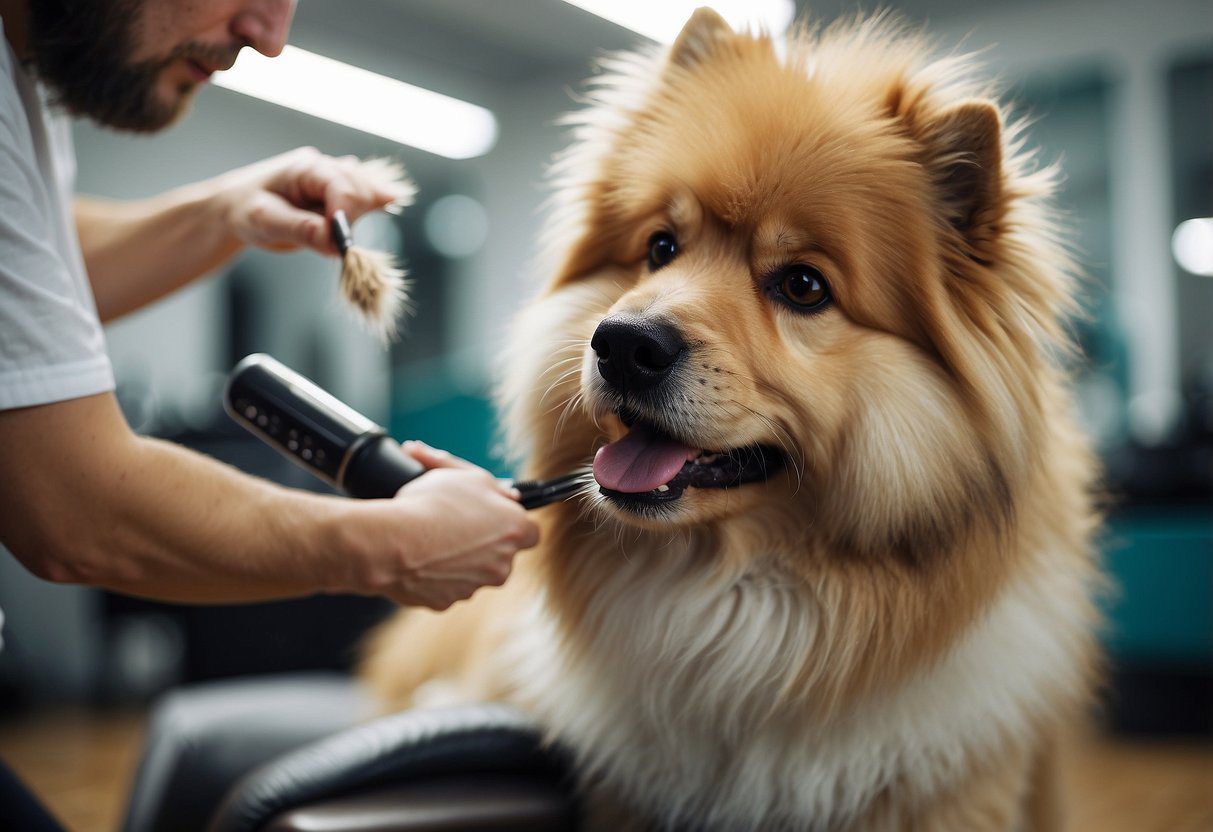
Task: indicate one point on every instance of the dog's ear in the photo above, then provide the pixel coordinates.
(698, 37)
(964, 155)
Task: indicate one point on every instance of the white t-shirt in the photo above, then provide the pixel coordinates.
(51, 344)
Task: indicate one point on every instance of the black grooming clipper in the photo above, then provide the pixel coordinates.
(332, 440)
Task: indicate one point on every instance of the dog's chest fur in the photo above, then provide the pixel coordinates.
(679, 695)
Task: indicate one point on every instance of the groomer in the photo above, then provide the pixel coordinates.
(82, 498)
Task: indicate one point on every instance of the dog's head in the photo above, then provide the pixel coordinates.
(815, 290)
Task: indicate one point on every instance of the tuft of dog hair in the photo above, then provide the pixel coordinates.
(890, 630)
(373, 282)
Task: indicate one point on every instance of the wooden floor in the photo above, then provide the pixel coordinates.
(81, 764)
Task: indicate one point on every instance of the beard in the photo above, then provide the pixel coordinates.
(81, 50)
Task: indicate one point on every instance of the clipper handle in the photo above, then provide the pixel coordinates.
(335, 442)
(316, 431)
(378, 469)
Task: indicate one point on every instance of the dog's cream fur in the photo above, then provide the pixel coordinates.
(887, 634)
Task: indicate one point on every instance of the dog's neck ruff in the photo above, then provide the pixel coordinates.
(674, 694)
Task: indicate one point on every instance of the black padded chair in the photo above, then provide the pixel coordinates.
(299, 753)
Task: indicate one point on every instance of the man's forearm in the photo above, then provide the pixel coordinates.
(84, 500)
(90, 502)
(189, 528)
(137, 252)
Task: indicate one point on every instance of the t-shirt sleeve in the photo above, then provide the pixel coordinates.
(51, 344)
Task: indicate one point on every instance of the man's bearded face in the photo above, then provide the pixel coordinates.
(82, 50)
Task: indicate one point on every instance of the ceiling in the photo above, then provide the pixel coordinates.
(462, 46)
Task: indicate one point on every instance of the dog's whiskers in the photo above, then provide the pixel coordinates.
(561, 405)
(563, 378)
(561, 363)
(569, 408)
(785, 440)
(757, 382)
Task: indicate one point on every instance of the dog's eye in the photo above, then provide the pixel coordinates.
(663, 248)
(803, 286)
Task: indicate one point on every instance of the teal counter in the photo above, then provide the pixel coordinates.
(1161, 607)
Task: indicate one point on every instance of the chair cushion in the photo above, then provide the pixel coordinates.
(403, 750)
(203, 738)
(501, 803)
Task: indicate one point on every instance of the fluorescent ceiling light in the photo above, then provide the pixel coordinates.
(1192, 245)
(662, 20)
(364, 100)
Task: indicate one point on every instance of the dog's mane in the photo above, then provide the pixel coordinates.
(1019, 296)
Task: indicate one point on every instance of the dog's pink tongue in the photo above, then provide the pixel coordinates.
(641, 461)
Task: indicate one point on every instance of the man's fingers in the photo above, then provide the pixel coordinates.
(294, 195)
(433, 457)
(276, 223)
(389, 181)
(530, 535)
(351, 185)
(438, 598)
(436, 458)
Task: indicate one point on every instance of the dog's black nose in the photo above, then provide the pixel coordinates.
(635, 353)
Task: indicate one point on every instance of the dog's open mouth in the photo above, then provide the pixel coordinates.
(647, 467)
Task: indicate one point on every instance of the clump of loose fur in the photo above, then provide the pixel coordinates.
(372, 281)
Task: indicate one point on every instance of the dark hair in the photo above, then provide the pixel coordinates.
(81, 50)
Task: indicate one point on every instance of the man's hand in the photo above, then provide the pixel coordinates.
(139, 251)
(451, 532)
(284, 203)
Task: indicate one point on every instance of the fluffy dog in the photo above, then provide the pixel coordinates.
(834, 568)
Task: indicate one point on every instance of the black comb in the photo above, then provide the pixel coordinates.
(537, 493)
